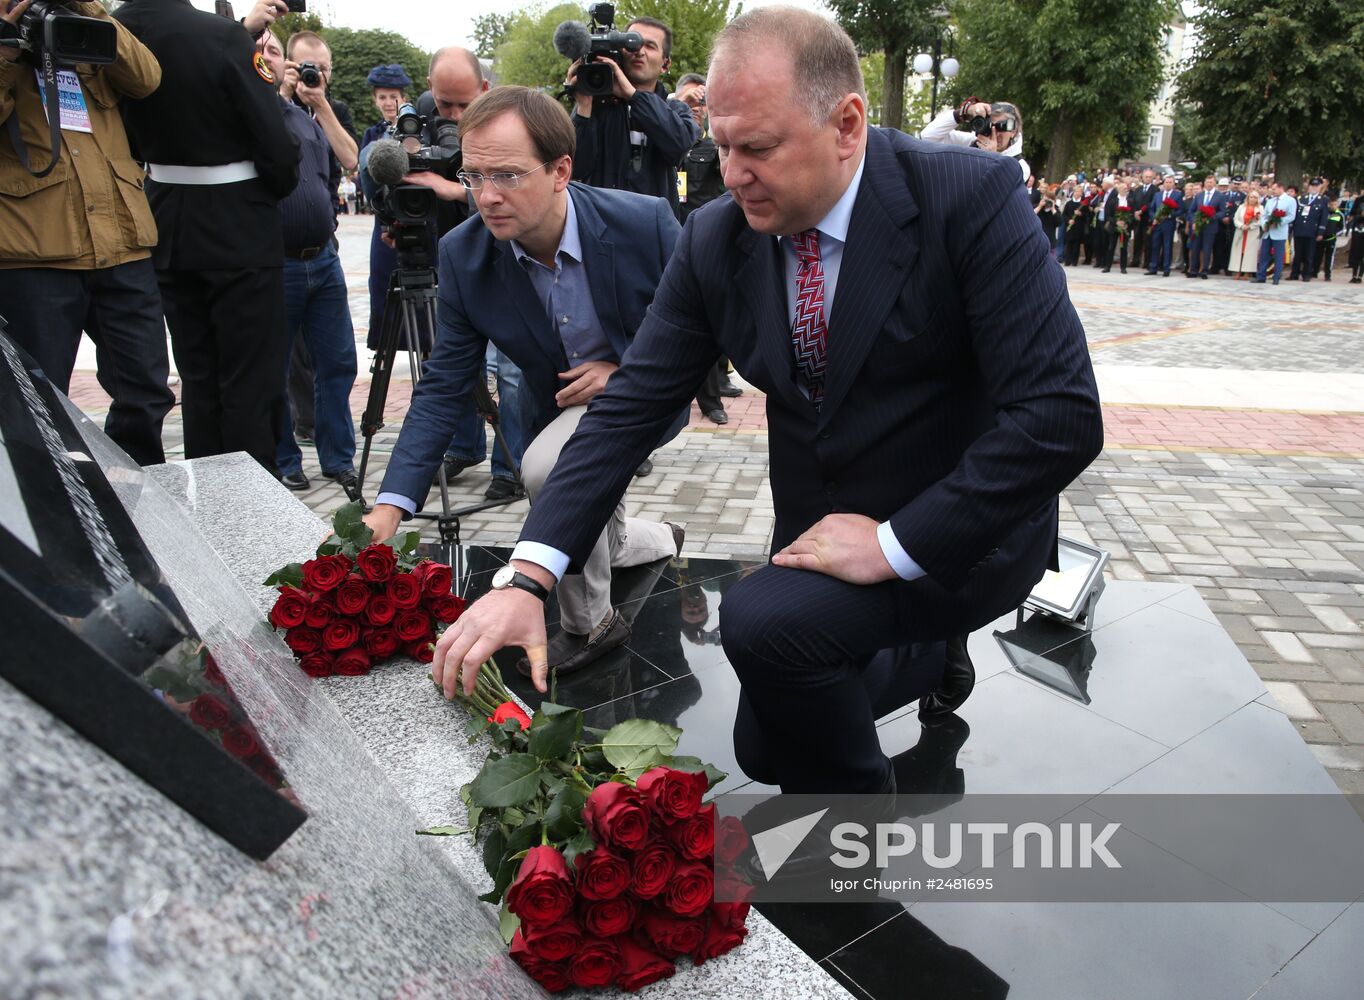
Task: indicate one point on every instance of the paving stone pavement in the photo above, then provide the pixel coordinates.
(1234, 461)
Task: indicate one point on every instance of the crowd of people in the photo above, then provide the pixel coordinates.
(1251, 229)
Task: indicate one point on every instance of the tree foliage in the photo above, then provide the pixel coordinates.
(490, 30)
(1082, 72)
(355, 53)
(526, 55)
(1286, 74)
(891, 27)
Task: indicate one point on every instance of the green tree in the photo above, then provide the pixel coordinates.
(1281, 73)
(291, 23)
(694, 24)
(891, 27)
(1082, 72)
(490, 30)
(355, 53)
(526, 55)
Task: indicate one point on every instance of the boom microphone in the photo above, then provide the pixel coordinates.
(387, 162)
(572, 40)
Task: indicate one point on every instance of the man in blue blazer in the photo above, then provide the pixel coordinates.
(558, 275)
(1204, 242)
(1274, 242)
(1163, 233)
(929, 394)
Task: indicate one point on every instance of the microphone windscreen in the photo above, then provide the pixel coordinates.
(387, 162)
(572, 40)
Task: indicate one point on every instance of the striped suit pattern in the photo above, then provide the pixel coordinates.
(959, 401)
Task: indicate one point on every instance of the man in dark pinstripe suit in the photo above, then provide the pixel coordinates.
(929, 394)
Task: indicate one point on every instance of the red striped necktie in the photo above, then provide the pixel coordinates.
(809, 334)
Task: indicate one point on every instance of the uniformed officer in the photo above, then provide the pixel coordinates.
(218, 160)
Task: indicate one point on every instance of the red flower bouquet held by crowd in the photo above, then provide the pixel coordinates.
(359, 602)
(600, 848)
(1166, 209)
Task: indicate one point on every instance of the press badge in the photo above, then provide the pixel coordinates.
(75, 115)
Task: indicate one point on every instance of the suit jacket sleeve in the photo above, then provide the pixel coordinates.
(668, 124)
(659, 374)
(456, 361)
(276, 151)
(1029, 349)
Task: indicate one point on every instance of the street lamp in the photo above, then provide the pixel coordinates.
(935, 64)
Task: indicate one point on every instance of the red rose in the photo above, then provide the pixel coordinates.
(718, 940)
(320, 612)
(651, 868)
(212, 672)
(672, 795)
(240, 741)
(325, 572)
(352, 596)
(730, 839)
(423, 650)
(670, 934)
(446, 608)
(412, 625)
(380, 610)
(436, 578)
(511, 710)
(317, 664)
(602, 874)
(691, 890)
(694, 838)
(553, 978)
(380, 643)
(340, 634)
(596, 964)
(352, 663)
(290, 608)
(606, 918)
(639, 966)
(553, 942)
(731, 905)
(614, 814)
(208, 712)
(404, 590)
(377, 562)
(303, 640)
(542, 891)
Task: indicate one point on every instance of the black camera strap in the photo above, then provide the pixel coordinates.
(54, 120)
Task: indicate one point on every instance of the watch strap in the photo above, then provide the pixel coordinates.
(529, 584)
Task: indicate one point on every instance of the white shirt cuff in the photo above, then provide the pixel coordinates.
(407, 504)
(900, 561)
(542, 555)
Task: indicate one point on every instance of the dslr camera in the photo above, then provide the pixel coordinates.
(309, 75)
(594, 45)
(50, 32)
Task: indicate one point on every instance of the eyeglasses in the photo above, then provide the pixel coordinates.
(503, 180)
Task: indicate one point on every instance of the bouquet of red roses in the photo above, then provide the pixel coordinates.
(599, 846)
(1274, 219)
(1123, 222)
(360, 602)
(1206, 213)
(1166, 209)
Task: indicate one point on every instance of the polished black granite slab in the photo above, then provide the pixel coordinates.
(1156, 700)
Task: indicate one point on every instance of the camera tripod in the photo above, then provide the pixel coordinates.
(410, 302)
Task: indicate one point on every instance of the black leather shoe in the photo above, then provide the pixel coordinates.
(296, 481)
(453, 467)
(958, 680)
(679, 534)
(502, 488)
(729, 390)
(717, 416)
(569, 653)
(645, 467)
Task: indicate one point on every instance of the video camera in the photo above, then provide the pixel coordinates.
(49, 28)
(407, 210)
(594, 44)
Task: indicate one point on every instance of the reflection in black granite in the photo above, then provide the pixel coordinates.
(99, 638)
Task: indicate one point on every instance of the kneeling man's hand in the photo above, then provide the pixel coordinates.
(843, 546)
(497, 619)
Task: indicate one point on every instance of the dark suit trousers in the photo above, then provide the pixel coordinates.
(227, 333)
(1304, 256)
(708, 396)
(46, 309)
(1203, 245)
(1112, 239)
(1140, 241)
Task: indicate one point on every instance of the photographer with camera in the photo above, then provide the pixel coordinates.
(630, 136)
(315, 301)
(995, 128)
(306, 80)
(219, 159)
(75, 229)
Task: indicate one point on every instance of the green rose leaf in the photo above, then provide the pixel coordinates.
(553, 731)
(564, 817)
(693, 764)
(635, 743)
(291, 575)
(507, 923)
(443, 831)
(580, 844)
(493, 850)
(510, 781)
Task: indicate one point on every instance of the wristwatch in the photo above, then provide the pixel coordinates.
(510, 576)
